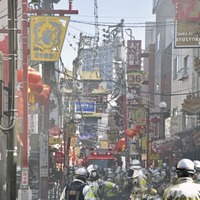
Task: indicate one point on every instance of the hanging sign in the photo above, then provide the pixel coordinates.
(47, 37)
(139, 116)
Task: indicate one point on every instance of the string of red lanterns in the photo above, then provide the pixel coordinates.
(137, 130)
(38, 92)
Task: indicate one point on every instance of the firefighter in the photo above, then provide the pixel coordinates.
(197, 171)
(185, 188)
(78, 189)
(102, 189)
(138, 179)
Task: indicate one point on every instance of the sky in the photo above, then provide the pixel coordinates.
(110, 12)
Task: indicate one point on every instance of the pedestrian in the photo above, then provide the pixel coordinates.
(185, 188)
(78, 189)
(197, 171)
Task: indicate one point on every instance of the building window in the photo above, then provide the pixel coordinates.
(174, 111)
(175, 67)
(158, 42)
(186, 64)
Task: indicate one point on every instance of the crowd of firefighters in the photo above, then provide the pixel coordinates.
(135, 183)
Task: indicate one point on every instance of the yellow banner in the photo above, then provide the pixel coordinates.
(47, 37)
(73, 141)
(144, 143)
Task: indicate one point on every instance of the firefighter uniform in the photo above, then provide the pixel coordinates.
(139, 186)
(78, 190)
(185, 189)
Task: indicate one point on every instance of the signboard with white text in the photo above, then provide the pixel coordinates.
(85, 107)
(187, 28)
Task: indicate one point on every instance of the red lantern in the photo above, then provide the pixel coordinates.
(139, 129)
(33, 75)
(46, 89)
(36, 88)
(36, 96)
(43, 98)
(121, 143)
(20, 75)
(129, 133)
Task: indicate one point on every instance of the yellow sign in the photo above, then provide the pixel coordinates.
(77, 151)
(73, 141)
(144, 143)
(154, 156)
(103, 144)
(135, 78)
(71, 129)
(139, 116)
(47, 37)
(53, 141)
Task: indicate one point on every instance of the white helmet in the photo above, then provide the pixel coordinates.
(185, 165)
(164, 165)
(81, 172)
(91, 168)
(196, 164)
(135, 164)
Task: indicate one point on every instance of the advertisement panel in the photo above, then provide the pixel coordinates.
(187, 29)
(85, 107)
(47, 37)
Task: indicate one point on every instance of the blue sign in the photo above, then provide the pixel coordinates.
(85, 107)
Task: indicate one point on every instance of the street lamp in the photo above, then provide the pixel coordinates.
(162, 105)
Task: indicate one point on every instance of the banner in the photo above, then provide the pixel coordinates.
(47, 37)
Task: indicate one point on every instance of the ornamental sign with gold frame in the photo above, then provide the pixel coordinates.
(139, 116)
(47, 37)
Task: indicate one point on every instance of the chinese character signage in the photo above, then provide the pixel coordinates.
(47, 37)
(25, 178)
(187, 29)
(44, 151)
(133, 54)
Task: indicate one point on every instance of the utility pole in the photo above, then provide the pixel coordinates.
(10, 131)
(47, 69)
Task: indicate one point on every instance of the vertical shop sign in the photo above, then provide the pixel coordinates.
(44, 151)
(133, 54)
